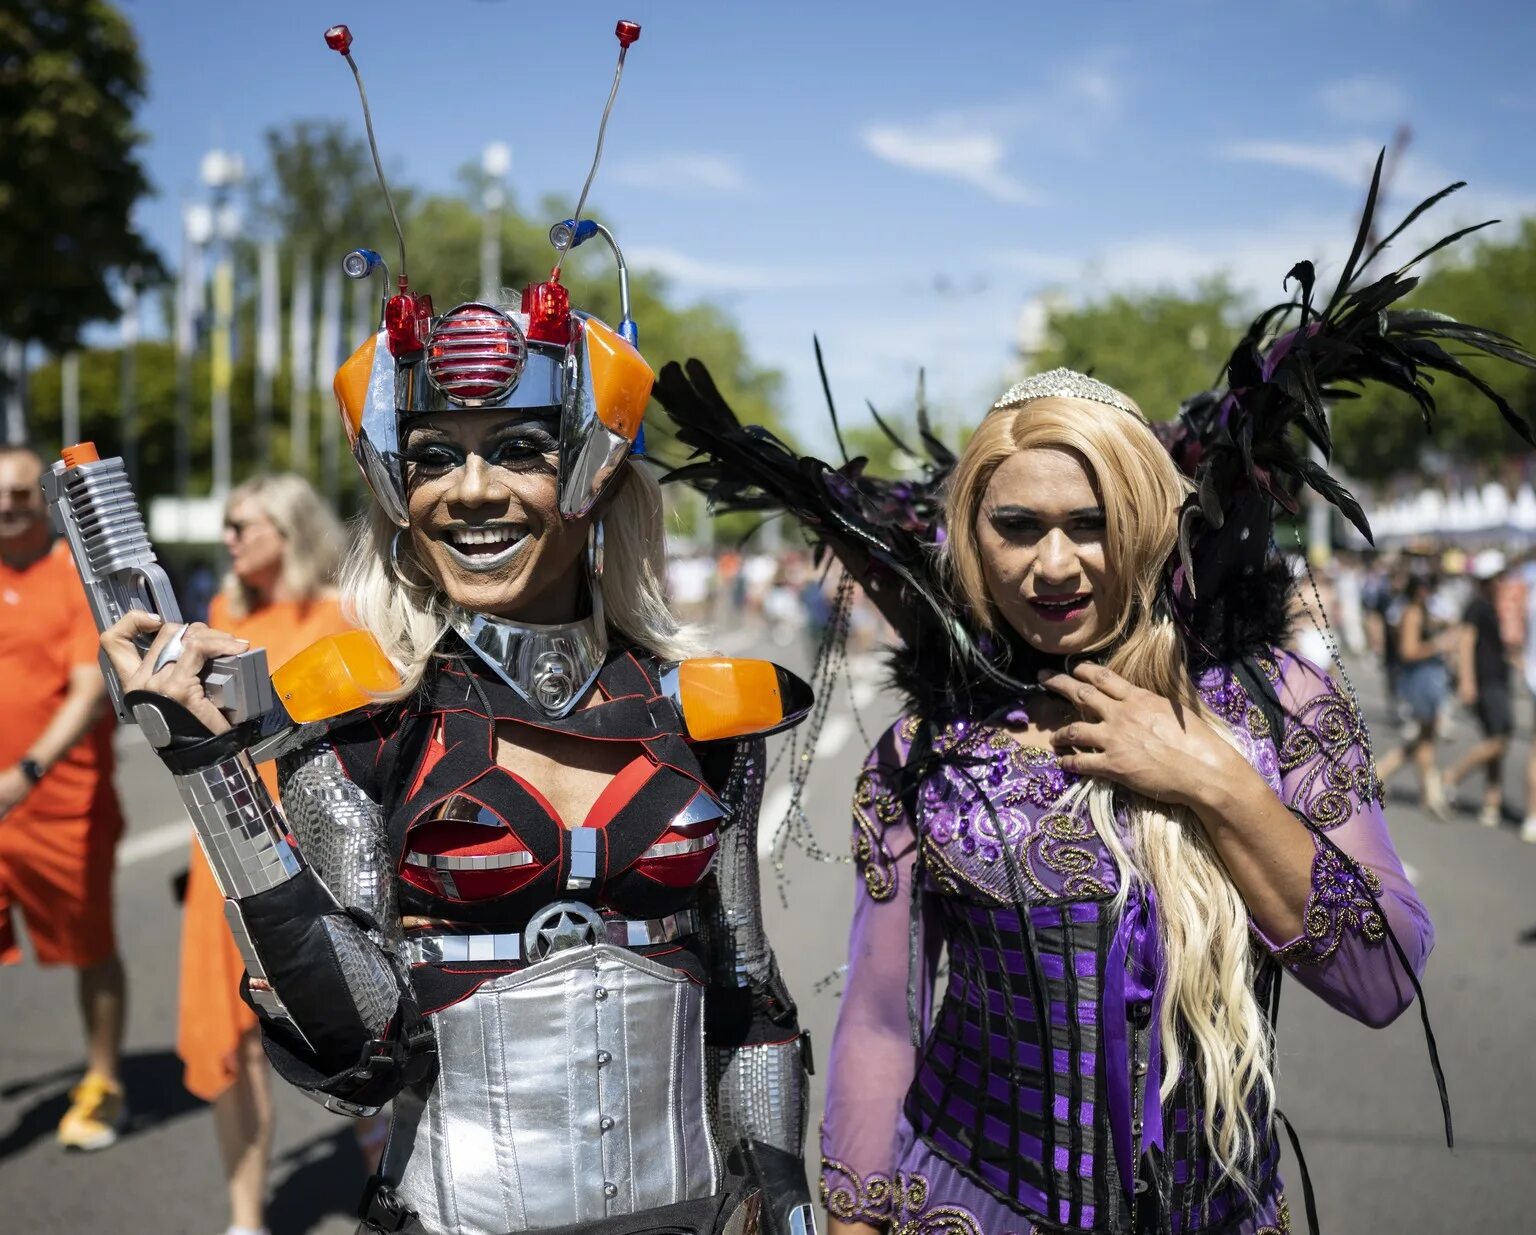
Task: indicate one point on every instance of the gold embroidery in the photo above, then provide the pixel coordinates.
(1055, 842)
(865, 1199)
(874, 809)
(1282, 1224)
(1327, 753)
(1338, 903)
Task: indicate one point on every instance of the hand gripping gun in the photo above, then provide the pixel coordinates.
(92, 505)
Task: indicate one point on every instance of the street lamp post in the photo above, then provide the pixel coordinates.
(221, 173)
(196, 232)
(496, 162)
(128, 379)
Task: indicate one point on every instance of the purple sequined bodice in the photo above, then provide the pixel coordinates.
(1023, 1107)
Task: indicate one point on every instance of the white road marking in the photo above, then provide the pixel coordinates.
(834, 735)
(151, 844)
(769, 817)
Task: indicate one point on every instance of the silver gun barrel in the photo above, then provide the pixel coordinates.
(112, 531)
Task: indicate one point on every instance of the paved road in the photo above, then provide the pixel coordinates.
(1363, 1100)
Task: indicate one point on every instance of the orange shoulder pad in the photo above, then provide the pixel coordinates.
(720, 697)
(334, 675)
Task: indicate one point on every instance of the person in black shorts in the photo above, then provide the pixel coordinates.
(1485, 687)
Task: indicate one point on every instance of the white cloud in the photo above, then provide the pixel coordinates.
(1364, 100)
(681, 173)
(971, 145)
(1346, 162)
(973, 158)
(704, 274)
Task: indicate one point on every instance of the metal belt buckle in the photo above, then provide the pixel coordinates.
(562, 925)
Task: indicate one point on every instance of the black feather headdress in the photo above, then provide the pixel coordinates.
(1243, 446)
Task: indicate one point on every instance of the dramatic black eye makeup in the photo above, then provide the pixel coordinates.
(526, 444)
(1021, 522)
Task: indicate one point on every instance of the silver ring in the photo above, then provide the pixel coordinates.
(171, 652)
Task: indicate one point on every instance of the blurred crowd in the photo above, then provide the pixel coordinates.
(1452, 630)
(783, 593)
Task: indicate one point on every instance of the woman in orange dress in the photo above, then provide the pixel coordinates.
(284, 546)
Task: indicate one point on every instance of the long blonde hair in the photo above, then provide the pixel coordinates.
(1208, 963)
(311, 539)
(408, 618)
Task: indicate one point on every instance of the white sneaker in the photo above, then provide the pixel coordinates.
(1528, 830)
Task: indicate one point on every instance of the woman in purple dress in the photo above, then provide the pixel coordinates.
(1112, 802)
(1117, 866)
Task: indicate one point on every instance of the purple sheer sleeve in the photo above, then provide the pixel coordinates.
(1359, 887)
(873, 1058)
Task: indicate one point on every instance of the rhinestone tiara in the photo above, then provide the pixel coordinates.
(1065, 383)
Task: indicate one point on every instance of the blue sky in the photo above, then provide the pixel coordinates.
(903, 180)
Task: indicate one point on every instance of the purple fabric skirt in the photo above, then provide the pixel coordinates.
(931, 1196)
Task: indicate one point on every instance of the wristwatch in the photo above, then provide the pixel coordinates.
(31, 769)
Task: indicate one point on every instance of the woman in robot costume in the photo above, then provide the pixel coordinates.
(517, 893)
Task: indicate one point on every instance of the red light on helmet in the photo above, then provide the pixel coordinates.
(475, 353)
(628, 32)
(406, 319)
(339, 39)
(548, 306)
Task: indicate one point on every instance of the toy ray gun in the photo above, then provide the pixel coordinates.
(93, 506)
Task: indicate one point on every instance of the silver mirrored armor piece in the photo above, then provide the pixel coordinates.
(619, 1127)
(556, 380)
(551, 667)
(1068, 384)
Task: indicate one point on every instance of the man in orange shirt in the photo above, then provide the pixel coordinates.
(59, 816)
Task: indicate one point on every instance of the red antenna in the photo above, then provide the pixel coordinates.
(407, 318)
(627, 32)
(339, 39)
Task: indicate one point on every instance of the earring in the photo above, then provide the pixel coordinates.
(394, 563)
(595, 551)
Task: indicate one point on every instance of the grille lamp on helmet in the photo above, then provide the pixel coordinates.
(475, 352)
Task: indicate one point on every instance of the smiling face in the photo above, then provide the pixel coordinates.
(485, 518)
(1041, 536)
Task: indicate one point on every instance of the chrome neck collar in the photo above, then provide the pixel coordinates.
(551, 667)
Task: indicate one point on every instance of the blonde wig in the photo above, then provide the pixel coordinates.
(404, 610)
(311, 535)
(1209, 1009)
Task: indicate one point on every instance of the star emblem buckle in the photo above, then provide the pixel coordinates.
(562, 925)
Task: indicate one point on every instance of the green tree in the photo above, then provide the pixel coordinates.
(70, 77)
(1159, 348)
(1492, 284)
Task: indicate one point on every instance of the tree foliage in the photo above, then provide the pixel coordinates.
(1159, 348)
(1492, 284)
(70, 76)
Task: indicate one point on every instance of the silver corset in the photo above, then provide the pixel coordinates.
(567, 1092)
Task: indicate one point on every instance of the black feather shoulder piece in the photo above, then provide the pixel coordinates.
(886, 533)
(1243, 445)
